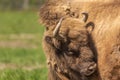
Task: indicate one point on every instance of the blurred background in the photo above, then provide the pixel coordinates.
(21, 54)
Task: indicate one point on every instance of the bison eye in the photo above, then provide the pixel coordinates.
(48, 39)
(73, 53)
(70, 53)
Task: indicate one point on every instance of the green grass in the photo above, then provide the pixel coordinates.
(21, 63)
(20, 74)
(19, 22)
(22, 57)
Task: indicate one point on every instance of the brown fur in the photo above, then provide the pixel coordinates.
(106, 35)
(78, 53)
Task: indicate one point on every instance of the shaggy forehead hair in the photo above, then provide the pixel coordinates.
(52, 11)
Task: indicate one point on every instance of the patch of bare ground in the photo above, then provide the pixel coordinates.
(19, 41)
(13, 66)
(19, 36)
(93, 0)
(16, 44)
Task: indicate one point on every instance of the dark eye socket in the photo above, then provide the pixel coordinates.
(73, 53)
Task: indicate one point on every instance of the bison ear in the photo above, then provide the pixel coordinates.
(48, 39)
(84, 17)
(90, 26)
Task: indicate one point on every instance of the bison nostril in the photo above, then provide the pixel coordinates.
(91, 69)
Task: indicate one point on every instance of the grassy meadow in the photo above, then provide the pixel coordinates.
(21, 54)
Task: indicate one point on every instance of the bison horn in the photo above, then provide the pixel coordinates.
(56, 30)
(85, 17)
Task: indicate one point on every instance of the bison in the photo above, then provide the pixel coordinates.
(67, 46)
(102, 43)
(68, 50)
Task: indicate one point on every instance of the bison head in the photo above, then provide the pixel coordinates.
(68, 51)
